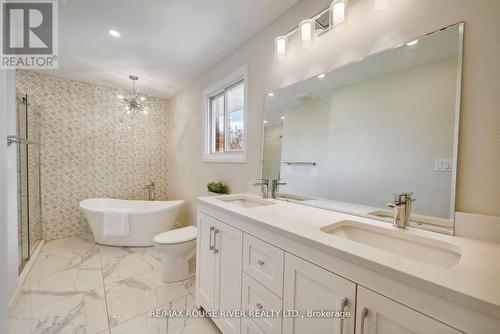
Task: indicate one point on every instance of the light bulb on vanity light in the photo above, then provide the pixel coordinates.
(322, 76)
(306, 28)
(337, 12)
(280, 45)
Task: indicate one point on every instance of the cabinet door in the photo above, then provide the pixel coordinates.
(205, 262)
(309, 287)
(377, 314)
(228, 260)
(250, 327)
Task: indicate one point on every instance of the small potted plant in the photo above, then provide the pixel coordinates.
(217, 188)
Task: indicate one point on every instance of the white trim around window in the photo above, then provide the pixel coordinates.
(218, 88)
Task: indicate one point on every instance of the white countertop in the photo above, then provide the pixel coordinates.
(473, 282)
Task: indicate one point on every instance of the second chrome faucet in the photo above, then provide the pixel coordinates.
(402, 209)
(265, 183)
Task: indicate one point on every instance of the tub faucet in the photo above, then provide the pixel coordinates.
(151, 190)
(402, 209)
(264, 183)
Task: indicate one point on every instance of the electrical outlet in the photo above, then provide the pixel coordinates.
(443, 165)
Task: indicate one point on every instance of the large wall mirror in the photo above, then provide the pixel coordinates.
(349, 139)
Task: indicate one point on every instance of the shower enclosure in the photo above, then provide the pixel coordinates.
(27, 139)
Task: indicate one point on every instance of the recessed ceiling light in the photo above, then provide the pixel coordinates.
(114, 33)
(321, 76)
(282, 117)
(412, 42)
(270, 94)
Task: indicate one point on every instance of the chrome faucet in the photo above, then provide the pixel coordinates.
(402, 209)
(151, 190)
(275, 184)
(264, 183)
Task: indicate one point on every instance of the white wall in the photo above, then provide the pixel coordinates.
(8, 198)
(366, 31)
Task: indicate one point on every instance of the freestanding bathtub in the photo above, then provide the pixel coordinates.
(146, 219)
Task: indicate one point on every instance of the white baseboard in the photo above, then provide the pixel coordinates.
(481, 227)
(24, 274)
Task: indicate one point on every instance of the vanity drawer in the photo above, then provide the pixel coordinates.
(256, 297)
(264, 262)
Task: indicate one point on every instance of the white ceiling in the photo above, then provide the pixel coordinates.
(167, 43)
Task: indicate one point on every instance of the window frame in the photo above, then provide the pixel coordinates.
(221, 87)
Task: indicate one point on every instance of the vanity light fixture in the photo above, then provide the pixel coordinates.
(280, 44)
(312, 27)
(282, 117)
(412, 42)
(306, 28)
(322, 76)
(265, 122)
(337, 12)
(114, 33)
(270, 94)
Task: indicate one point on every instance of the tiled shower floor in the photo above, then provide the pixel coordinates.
(76, 286)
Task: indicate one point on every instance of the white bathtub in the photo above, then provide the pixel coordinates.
(146, 218)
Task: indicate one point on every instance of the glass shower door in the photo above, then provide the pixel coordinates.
(28, 178)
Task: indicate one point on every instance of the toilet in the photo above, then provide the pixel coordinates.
(178, 247)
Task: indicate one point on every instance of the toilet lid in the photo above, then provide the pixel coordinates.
(176, 236)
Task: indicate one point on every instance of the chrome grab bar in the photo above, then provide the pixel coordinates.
(305, 163)
(16, 140)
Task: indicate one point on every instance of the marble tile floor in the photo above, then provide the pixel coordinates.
(76, 286)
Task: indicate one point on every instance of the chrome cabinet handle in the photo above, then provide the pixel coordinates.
(260, 262)
(215, 240)
(210, 246)
(259, 306)
(364, 314)
(343, 304)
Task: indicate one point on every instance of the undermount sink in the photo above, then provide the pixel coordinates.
(427, 250)
(245, 201)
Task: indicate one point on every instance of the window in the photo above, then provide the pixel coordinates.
(225, 120)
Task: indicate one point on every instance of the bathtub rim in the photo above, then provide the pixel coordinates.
(174, 204)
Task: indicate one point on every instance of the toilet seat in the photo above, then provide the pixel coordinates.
(177, 236)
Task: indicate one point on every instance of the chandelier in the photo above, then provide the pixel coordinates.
(134, 100)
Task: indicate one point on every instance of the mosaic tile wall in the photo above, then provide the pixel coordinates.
(90, 148)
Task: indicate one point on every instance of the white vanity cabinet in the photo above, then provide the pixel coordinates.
(309, 287)
(377, 314)
(241, 266)
(218, 284)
